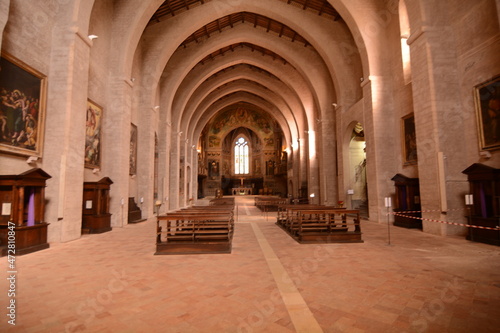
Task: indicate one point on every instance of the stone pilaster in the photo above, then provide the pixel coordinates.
(4, 17)
(174, 165)
(64, 145)
(328, 159)
(145, 158)
(380, 132)
(116, 146)
(439, 125)
(313, 166)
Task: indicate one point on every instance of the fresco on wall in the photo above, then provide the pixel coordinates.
(213, 141)
(228, 119)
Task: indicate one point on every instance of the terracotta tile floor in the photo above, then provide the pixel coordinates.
(112, 282)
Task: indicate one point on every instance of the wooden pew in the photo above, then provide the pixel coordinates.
(222, 201)
(269, 204)
(320, 224)
(195, 231)
(288, 214)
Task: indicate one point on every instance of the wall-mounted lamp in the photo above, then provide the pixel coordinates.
(92, 37)
(32, 160)
(95, 170)
(334, 105)
(157, 107)
(485, 154)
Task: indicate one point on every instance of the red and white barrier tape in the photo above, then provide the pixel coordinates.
(430, 211)
(446, 222)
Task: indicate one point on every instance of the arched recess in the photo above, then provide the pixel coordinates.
(355, 165)
(263, 136)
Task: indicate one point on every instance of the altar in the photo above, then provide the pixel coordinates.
(241, 191)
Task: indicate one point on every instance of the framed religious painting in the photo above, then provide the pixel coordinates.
(409, 136)
(93, 135)
(133, 149)
(22, 110)
(487, 98)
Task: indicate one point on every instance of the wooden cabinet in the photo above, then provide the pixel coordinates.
(22, 204)
(485, 212)
(134, 212)
(96, 218)
(407, 205)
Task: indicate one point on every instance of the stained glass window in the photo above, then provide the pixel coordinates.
(241, 160)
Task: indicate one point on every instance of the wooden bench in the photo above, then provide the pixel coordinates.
(222, 201)
(195, 231)
(269, 204)
(288, 216)
(320, 224)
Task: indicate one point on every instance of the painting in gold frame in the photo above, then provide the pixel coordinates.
(133, 149)
(487, 98)
(22, 109)
(93, 135)
(409, 135)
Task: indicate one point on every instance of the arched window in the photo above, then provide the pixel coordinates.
(241, 160)
(404, 26)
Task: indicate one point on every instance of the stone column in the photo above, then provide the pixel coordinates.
(116, 146)
(303, 165)
(4, 17)
(173, 202)
(313, 161)
(164, 147)
(380, 132)
(439, 123)
(146, 120)
(294, 173)
(64, 146)
(328, 159)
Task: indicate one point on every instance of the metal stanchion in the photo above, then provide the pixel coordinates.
(388, 206)
(469, 202)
